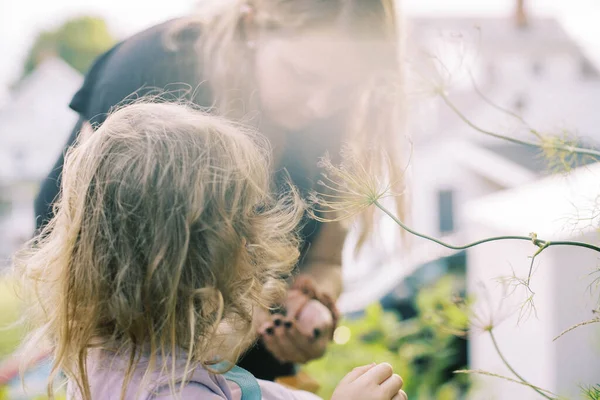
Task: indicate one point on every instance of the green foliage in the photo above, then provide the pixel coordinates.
(10, 310)
(421, 349)
(591, 392)
(79, 42)
(4, 395)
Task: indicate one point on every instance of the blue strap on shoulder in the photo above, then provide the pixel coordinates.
(246, 381)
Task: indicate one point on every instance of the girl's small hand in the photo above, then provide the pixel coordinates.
(301, 333)
(370, 382)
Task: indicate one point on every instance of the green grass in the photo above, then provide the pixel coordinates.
(10, 311)
(11, 334)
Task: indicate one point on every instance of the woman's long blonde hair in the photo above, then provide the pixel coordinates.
(377, 121)
(165, 230)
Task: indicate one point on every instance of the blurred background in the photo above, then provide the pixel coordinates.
(537, 58)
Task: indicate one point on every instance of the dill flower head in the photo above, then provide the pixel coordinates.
(349, 188)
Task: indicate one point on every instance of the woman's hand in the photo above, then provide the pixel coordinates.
(370, 382)
(300, 331)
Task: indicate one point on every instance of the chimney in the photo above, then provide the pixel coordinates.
(521, 15)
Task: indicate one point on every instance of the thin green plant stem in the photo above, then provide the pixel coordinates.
(494, 105)
(506, 378)
(515, 373)
(591, 321)
(566, 148)
(533, 260)
(542, 244)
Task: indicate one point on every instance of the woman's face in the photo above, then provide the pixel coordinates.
(307, 77)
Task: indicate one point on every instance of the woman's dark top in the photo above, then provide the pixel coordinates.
(145, 65)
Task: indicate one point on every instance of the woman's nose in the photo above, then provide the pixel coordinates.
(320, 104)
(326, 102)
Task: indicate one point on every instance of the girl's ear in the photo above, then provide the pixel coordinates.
(248, 26)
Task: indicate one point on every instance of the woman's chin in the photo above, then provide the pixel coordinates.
(291, 122)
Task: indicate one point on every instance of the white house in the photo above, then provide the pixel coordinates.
(466, 186)
(36, 122)
(34, 126)
(535, 70)
(557, 208)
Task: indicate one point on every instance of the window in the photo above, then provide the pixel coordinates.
(446, 211)
(5, 204)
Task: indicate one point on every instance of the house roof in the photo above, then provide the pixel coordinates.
(500, 35)
(534, 160)
(552, 105)
(568, 110)
(558, 206)
(478, 159)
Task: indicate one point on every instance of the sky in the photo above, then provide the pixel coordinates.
(22, 20)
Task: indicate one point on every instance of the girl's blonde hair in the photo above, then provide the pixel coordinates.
(377, 120)
(165, 230)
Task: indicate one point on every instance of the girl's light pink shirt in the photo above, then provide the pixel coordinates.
(106, 379)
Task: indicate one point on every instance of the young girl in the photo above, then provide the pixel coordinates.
(314, 74)
(164, 243)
